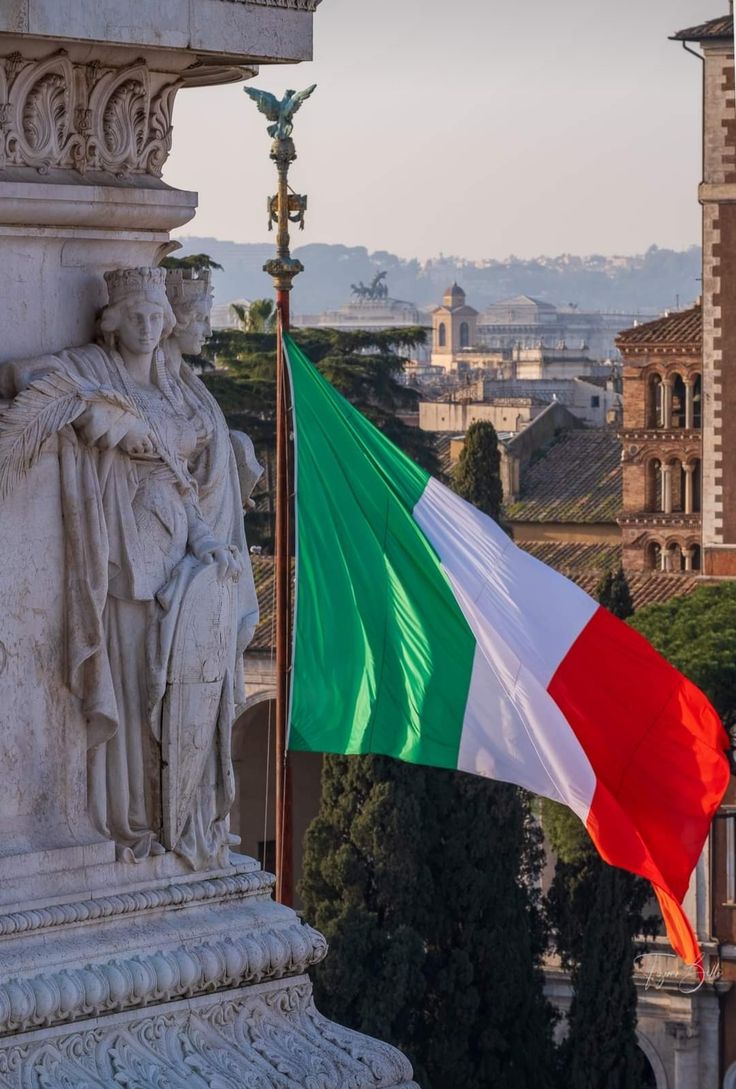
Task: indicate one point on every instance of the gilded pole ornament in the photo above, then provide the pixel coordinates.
(286, 206)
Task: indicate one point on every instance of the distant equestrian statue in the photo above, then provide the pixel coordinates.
(377, 289)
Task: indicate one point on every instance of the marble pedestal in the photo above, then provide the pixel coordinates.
(171, 980)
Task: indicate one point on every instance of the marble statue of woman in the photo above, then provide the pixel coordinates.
(159, 599)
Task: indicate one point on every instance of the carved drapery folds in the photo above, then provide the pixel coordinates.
(58, 114)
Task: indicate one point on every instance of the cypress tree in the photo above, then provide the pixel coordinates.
(613, 592)
(423, 881)
(476, 475)
(596, 913)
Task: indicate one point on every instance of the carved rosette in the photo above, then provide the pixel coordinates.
(58, 114)
(272, 1038)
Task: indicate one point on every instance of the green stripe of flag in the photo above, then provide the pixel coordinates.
(382, 653)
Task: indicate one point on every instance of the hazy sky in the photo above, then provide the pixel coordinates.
(478, 128)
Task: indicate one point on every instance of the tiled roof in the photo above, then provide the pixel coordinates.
(442, 444)
(682, 328)
(586, 564)
(649, 587)
(571, 558)
(577, 479)
(722, 27)
(264, 578)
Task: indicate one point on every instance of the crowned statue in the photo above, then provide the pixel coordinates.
(159, 600)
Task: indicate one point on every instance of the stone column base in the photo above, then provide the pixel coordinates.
(164, 979)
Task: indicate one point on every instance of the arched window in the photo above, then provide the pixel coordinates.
(441, 335)
(674, 558)
(653, 497)
(696, 557)
(654, 401)
(653, 556)
(464, 335)
(697, 401)
(676, 481)
(678, 401)
(653, 1076)
(696, 486)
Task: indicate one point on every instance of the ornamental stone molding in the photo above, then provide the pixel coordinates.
(676, 520)
(159, 975)
(221, 887)
(55, 113)
(269, 1037)
(292, 5)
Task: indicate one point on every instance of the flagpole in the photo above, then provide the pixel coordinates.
(284, 208)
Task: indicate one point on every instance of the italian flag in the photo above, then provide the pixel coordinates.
(423, 633)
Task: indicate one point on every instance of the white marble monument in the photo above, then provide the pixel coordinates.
(137, 949)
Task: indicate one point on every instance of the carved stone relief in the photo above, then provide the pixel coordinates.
(58, 114)
(271, 1037)
(293, 5)
(158, 612)
(159, 975)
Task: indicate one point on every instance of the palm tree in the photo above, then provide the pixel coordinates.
(259, 317)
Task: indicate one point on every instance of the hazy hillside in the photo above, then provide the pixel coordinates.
(649, 282)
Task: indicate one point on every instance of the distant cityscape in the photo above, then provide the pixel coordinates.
(643, 284)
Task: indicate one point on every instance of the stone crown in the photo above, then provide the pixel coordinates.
(185, 286)
(125, 283)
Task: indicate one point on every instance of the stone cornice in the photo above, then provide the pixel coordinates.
(724, 193)
(138, 900)
(660, 434)
(666, 521)
(661, 349)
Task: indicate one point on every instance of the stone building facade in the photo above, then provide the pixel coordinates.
(526, 322)
(717, 194)
(454, 328)
(662, 443)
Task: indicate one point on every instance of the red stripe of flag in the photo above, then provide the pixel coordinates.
(657, 748)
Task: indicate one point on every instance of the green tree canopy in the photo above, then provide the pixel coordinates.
(697, 634)
(477, 473)
(195, 261)
(258, 317)
(613, 592)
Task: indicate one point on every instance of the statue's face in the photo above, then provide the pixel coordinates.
(194, 330)
(141, 326)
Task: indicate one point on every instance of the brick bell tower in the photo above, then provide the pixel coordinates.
(717, 195)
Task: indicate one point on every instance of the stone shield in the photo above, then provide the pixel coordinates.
(198, 667)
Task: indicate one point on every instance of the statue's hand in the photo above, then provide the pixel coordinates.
(107, 426)
(137, 441)
(227, 557)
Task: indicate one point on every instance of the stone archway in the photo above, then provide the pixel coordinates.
(253, 814)
(655, 1063)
